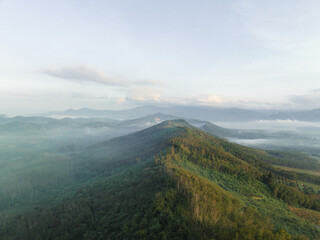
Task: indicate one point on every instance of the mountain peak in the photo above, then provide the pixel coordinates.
(175, 123)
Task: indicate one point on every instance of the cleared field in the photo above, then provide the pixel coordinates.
(315, 187)
(316, 173)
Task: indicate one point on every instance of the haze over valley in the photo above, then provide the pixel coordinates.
(276, 129)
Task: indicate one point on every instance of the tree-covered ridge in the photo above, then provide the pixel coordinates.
(172, 181)
(198, 151)
(141, 203)
(234, 159)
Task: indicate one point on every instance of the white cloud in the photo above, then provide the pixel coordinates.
(144, 95)
(210, 99)
(141, 96)
(88, 74)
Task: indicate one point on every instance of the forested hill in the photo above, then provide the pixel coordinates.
(174, 181)
(142, 144)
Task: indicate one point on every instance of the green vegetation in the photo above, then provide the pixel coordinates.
(170, 181)
(309, 215)
(140, 203)
(298, 170)
(294, 160)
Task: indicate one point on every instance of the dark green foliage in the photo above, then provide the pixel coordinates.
(290, 194)
(139, 204)
(171, 181)
(293, 159)
(295, 175)
(257, 156)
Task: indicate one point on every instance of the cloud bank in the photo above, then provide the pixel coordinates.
(87, 74)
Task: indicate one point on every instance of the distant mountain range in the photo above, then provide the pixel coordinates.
(116, 127)
(89, 130)
(214, 114)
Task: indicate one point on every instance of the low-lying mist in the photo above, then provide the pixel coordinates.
(279, 134)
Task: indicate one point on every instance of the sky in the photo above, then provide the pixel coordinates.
(119, 54)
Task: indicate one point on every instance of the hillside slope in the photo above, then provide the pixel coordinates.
(174, 181)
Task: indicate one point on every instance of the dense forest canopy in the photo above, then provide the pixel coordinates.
(169, 181)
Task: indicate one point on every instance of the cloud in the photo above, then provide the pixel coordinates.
(144, 95)
(227, 101)
(210, 99)
(88, 74)
(147, 96)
